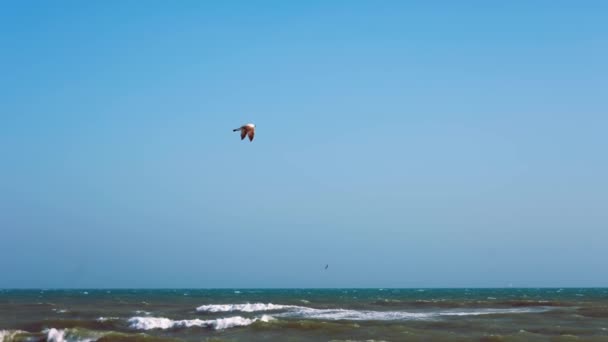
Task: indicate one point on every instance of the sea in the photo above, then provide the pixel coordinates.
(379, 314)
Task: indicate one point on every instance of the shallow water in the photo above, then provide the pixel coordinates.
(305, 315)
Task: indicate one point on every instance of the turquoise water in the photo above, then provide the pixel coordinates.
(305, 315)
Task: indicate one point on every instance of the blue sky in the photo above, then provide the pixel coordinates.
(407, 144)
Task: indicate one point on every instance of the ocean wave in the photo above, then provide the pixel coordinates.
(54, 335)
(70, 335)
(491, 302)
(368, 315)
(352, 315)
(9, 335)
(294, 311)
(478, 312)
(243, 307)
(105, 319)
(150, 323)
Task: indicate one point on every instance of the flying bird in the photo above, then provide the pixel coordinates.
(326, 266)
(247, 130)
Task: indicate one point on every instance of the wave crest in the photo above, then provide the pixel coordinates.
(294, 311)
(9, 335)
(367, 315)
(243, 307)
(70, 335)
(150, 323)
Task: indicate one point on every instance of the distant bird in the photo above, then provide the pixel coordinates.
(247, 130)
(326, 266)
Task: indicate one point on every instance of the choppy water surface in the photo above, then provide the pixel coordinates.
(305, 315)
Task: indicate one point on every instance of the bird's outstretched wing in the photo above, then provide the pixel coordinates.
(251, 134)
(243, 133)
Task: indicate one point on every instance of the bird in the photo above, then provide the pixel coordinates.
(326, 266)
(247, 130)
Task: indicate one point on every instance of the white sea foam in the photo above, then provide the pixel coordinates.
(243, 307)
(353, 315)
(149, 323)
(9, 335)
(104, 319)
(54, 335)
(478, 312)
(70, 335)
(294, 311)
(367, 315)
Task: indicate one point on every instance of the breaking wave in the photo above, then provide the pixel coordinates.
(149, 323)
(54, 335)
(9, 335)
(294, 311)
(368, 315)
(70, 335)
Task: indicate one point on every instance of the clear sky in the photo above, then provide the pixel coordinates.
(404, 143)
